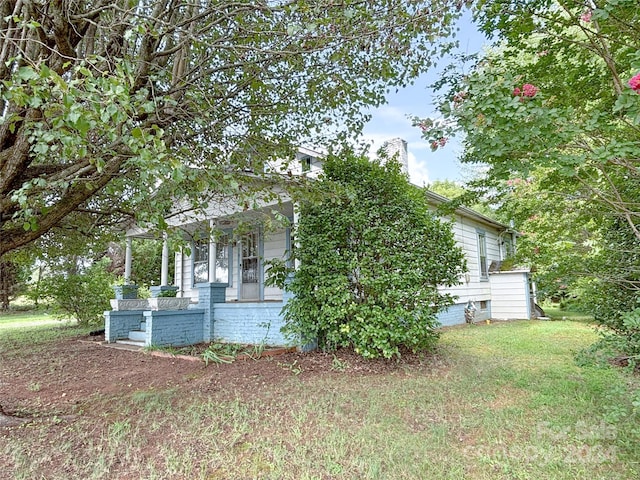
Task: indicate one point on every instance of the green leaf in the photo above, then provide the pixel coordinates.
(26, 73)
(137, 133)
(83, 125)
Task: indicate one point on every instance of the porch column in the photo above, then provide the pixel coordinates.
(209, 294)
(239, 249)
(212, 253)
(296, 244)
(127, 262)
(164, 270)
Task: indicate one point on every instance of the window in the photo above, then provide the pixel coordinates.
(508, 249)
(306, 164)
(250, 258)
(482, 255)
(201, 261)
(222, 260)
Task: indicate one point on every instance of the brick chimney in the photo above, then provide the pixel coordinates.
(398, 146)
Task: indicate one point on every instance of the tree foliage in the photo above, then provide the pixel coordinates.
(553, 114)
(459, 195)
(147, 261)
(110, 109)
(11, 282)
(81, 293)
(371, 257)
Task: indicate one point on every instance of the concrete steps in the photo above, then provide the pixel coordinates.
(136, 337)
(127, 344)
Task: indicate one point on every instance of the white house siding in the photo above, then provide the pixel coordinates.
(465, 232)
(510, 295)
(232, 289)
(178, 273)
(184, 277)
(275, 245)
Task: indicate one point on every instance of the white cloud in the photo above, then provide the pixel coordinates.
(418, 171)
(390, 115)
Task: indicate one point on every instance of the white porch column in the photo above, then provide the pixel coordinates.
(127, 262)
(296, 244)
(239, 249)
(212, 252)
(164, 270)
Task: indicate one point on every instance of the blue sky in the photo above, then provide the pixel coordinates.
(393, 120)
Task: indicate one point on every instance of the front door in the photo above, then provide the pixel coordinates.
(250, 267)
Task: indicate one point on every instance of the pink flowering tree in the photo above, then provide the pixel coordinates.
(558, 104)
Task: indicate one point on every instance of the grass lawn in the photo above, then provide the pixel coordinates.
(19, 320)
(33, 327)
(556, 313)
(498, 401)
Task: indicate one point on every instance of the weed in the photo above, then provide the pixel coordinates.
(221, 353)
(338, 365)
(256, 351)
(218, 352)
(33, 387)
(293, 367)
(118, 430)
(212, 356)
(166, 349)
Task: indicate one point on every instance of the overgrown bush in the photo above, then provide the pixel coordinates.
(613, 297)
(371, 257)
(617, 311)
(83, 296)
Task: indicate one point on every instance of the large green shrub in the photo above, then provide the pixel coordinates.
(82, 295)
(612, 297)
(371, 257)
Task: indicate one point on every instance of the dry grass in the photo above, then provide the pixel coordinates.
(504, 401)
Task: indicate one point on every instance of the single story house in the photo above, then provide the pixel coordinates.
(220, 281)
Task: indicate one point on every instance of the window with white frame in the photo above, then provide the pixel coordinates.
(222, 273)
(306, 163)
(200, 261)
(482, 255)
(250, 258)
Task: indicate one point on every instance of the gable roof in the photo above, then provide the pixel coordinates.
(437, 200)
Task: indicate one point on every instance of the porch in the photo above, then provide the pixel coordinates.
(219, 284)
(178, 322)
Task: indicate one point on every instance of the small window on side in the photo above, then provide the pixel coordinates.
(482, 256)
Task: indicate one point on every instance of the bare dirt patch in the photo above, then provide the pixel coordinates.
(55, 378)
(131, 412)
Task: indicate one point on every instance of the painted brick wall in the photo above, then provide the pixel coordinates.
(118, 323)
(209, 294)
(248, 323)
(455, 314)
(174, 327)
